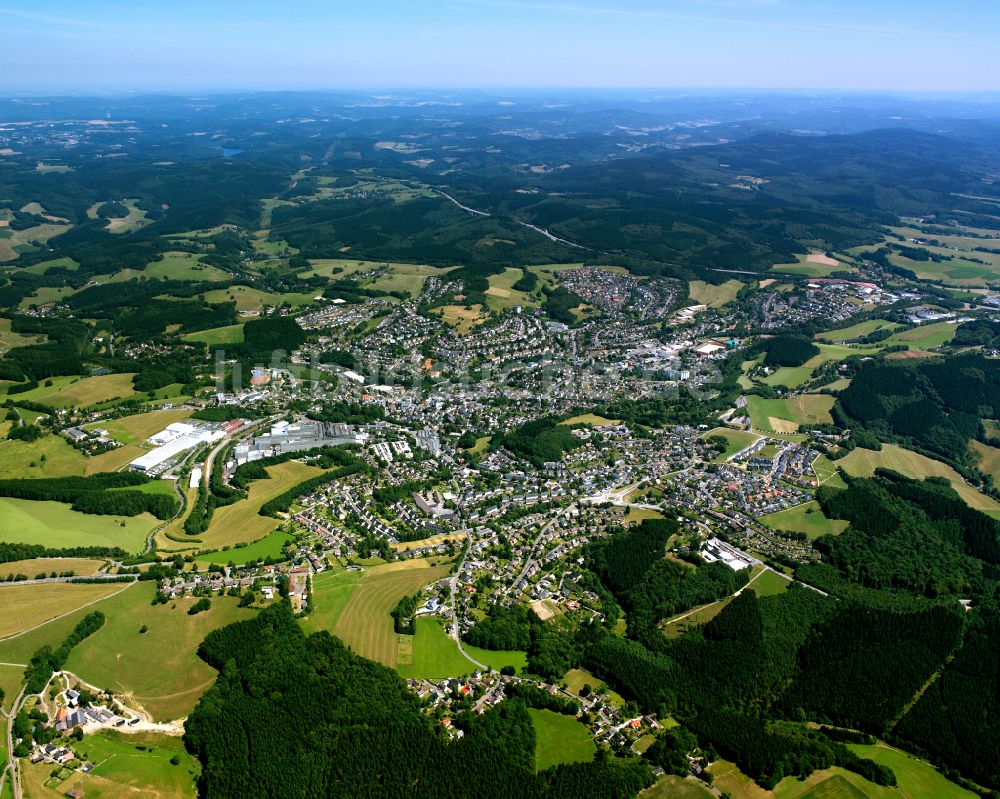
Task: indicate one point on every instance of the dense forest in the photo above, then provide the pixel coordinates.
(303, 716)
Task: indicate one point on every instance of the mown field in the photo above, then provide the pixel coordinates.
(79, 566)
(560, 739)
(80, 392)
(433, 654)
(795, 376)
(23, 607)
(813, 265)
(355, 605)
(589, 418)
(672, 787)
(215, 336)
(736, 440)
(159, 669)
(137, 428)
(241, 523)
(134, 764)
(842, 334)
(49, 456)
(55, 524)
(271, 546)
(806, 518)
(863, 462)
(788, 415)
(711, 294)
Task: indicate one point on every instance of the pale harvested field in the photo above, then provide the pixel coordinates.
(34, 566)
(822, 258)
(25, 606)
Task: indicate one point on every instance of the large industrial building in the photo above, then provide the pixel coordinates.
(174, 440)
(286, 437)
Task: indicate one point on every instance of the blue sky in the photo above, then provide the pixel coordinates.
(116, 45)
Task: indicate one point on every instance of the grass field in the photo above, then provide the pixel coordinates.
(434, 540)
(795, 376)
(432, 654)
(842, 334)
(713, 295)
(251, 299)
(11, 679)
(81, 392)
(813, 265)
(122, 769)
(355, 606)
(271, 546)
(807, 518)
(240, 523)
(767, 583)
(673, 787)
(405, 277)
(462, 319)
(49, 456)
(79, 566)
(737, 440)
(55, 524)
(183, 266)
(788, 415)
(989, 458)
(10, 339)
(863, 462)
(501, 294)
(215, 336)
(924, 337)
(826, 473)
(575, 679)
(158, 669)
(137, 428)
(589, 418)
(25, 606)
(560, 739)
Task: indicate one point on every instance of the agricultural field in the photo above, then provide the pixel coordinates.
(795, 376)
(15, 242)
(501, 294)
(250, 300)
(737, 440)
(814, 264)
(183, 266)
(405, 277)
(575, 679)
(137, 428)
(806, 518)
(713, 295)
(134, 764)
(11, 679)
(80, 392)
(332, 590)
(988, 459)
(560, 739)
(10, 339)
(46, 295)
(673, 787)
(135, 219)
(863, 462)
(788, 415)
(434, 540)
(268, 547)
(924, 337)
(360, 613)
(158, 669)
(81, 567)
(840, 335)
(433, 654)
(215, 336)
(25, 606)
(56, 524)
(49, 456)
(240, 522)
(826, 473)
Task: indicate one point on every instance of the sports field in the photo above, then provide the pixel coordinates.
(736, 440)
(134, 764)
(55, 524)
(79, 566)
(25, 606)
(711, 294)
(215, 336)
(863, 462)
(359, 612)
(560, 739)
(159, 669)
(81, 392)
(432, 654)
(806, 518)
(240, 523)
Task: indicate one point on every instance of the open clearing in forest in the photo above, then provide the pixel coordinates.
(560, 739)
(159, 668)
(25, 606)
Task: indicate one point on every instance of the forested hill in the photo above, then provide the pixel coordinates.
(304, 717)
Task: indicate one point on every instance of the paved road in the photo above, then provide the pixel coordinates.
(453, 585)
(531, 552)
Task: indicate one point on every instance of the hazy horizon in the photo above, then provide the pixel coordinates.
(55, 46)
